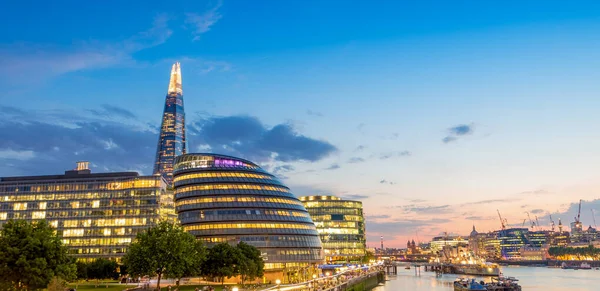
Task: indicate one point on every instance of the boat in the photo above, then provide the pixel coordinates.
(407, 267)
(478, 269)
(503, 284)
(583, 266)
(463, 284)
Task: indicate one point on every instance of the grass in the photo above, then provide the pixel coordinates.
(190, 287)
(91, 286)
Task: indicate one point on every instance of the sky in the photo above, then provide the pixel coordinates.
(435, 114)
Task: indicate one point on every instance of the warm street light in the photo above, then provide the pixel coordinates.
(235, 289)
(314, 276)
(277, 281)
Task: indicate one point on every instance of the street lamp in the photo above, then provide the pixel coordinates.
(234, 289)
(277, 282)
(314, 282)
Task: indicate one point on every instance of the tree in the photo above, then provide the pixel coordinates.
(251, 264)
(31, 255)
(222, 261)
(164, 250)
(102, 269)
(82, 270)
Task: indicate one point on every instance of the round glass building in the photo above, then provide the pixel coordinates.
(226, 199)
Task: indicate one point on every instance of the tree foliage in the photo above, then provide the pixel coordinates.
(31, 255)
(57, 284)
(164, 250)
(101, 269)
(251, 264)
(222, 262)
(566, 252)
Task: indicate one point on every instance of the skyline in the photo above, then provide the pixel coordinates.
(434, 118)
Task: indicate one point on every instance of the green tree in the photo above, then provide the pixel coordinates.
(369, 255)
(82, 270)
(31, 255)
(164, 250)
(102, 269)
(251, 264)
(222, 262)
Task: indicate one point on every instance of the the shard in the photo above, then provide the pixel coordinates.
(171, 141)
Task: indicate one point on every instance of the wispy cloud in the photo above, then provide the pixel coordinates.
(458, 131)
(355, 160)
(386, 156)
(333, 167)
(355, 196)
(202, 23)
(26, 62)
(314, 113)
(384, 181)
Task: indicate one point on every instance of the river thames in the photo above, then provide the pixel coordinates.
(530, 278)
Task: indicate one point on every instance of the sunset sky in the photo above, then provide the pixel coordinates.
(433, 113)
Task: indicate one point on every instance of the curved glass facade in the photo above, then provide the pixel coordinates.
(341, 225)
(227, 199)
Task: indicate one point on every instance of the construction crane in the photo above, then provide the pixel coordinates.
(594, 217)
(524, 219)
(530, 221)
(578, 213)
(501, 221)
(537, 223)
(552, 221)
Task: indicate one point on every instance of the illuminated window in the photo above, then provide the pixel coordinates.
(38, 214)
(54, 223)
(75, 204)
(95, 203)
(20, 206)
(42, 205)
(107, 231)
(3, 216)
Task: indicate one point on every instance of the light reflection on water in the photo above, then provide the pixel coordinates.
(530, 278)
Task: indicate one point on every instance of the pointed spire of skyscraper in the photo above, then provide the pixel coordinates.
(171, 141)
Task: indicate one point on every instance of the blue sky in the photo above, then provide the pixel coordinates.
(434, 113)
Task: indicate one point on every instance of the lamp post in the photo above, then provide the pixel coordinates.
(234, 289)
(314, 282)
(278, 282)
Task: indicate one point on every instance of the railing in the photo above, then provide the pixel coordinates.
(327, 281)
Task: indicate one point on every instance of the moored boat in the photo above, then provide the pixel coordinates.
(583, 266)
(463, 284)
(503, 284)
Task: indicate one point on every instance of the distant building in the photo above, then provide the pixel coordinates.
(530, 253)
(227, 199)
(477, 243)
(511, 242)
(577, 232)
(341, 227)
(438, 243)
(96, 215)
(171, 139)
(491, 245)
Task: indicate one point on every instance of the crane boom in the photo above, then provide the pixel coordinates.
(537, 223)
(578, 213)
(552, 221)
(524, 221)
(501, 221)
(530, 221)
(594, 217)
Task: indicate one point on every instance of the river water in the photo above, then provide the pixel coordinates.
(530, 278)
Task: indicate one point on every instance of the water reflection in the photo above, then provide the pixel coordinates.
(530, 278)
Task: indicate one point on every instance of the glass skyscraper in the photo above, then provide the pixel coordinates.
(226, 199)
(97, 215)
(341, 226)
(171, 140)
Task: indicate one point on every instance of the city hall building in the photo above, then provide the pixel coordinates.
(97, 215)
(341, 226)
(226, 199)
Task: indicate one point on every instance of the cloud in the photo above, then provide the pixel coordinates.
(202, 23)
(380, 216)
(384, 181)
(458, 131)
(355, 196)
(534, 192)
(59, 138)
(108, 110)
(490, 201)
(333, 167)
(430, 209)
(355, 160)
(537, 211)
(314, 113)
(386, 156)
(479, 218)
(248, 137)
(25, 62)
(404, 226)
(360, 148)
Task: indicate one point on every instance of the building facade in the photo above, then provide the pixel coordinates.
(341, 226)
(226, 199)
(511, 242)
(171, 139)
(96, 215)
(439, 242)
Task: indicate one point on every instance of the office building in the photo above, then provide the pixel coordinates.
(341, 226)
(439, 242)
(96, 215)
(171, 139)
(226, 199)
(511, 242)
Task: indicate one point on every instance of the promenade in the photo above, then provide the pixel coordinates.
(336, 282)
